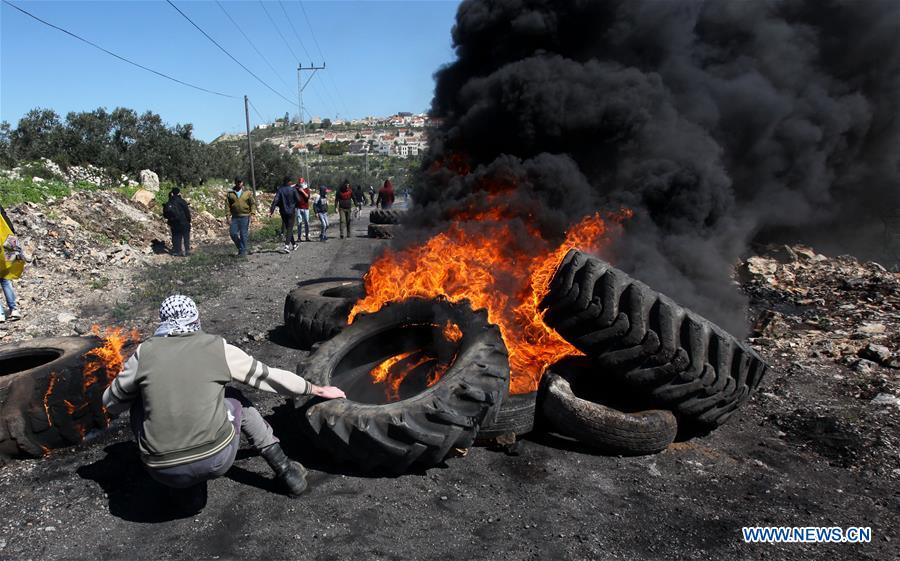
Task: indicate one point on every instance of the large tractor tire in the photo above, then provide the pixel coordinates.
(423, 428)
(602, 427)
(317, 311)
(382, 231)
(648, 343)
(43, 402)
(382, 216)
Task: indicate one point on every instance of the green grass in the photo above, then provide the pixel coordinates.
(200, 276)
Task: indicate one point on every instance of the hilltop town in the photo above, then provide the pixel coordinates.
(402, 135)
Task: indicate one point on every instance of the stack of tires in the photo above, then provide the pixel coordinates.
(653, 371)
(668, 364)
(383, 223)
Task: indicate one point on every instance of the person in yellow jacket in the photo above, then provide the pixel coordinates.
(241, 205)
(11, 264)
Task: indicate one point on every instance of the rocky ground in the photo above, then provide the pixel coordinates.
(817, 446)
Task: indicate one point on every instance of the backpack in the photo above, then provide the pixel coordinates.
(172, 212)
(321, 205)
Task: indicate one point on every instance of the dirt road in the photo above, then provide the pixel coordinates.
(780, 462)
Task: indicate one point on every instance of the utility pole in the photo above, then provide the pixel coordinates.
(300, 87)
(249, 143)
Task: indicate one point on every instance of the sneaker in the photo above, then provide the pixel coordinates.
(294, 247)
(286, 249)
(15, 315)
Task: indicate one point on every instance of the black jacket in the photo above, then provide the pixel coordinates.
(177, 212)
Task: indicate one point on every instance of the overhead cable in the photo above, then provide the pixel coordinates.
(260, 80)
(262, 56)
(110, 53)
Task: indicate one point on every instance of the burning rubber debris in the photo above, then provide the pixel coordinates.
(54, 389)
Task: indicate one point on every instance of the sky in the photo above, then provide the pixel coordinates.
(379, 56)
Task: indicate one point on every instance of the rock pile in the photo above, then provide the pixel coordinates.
(71, 175)
(86, 244)
(836, 308)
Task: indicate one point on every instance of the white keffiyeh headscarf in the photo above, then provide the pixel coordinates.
(177, 314)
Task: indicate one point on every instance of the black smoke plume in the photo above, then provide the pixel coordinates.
(716, 122)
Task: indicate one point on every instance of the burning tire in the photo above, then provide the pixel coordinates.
(318, 311)
(603, 427)
(43, 402)
(645, 341)
(382, 216)
(382, 231)
(410, 416)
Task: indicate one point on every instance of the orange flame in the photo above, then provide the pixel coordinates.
(452, 332)
(394, 370)
(108, 357)
(51, 383)
(485, 261)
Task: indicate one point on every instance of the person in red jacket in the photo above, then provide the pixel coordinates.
(303, 207)
(385, 198)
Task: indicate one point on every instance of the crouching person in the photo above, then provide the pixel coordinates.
(186, 422)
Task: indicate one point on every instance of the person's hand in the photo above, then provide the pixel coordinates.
(328, 392)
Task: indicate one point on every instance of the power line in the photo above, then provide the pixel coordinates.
(311, 33)
(328, 95)
(131, 62)
(260, 80)
(280, 3)
(275, 25)
(262, 56)
(255, 110)
(329, 76)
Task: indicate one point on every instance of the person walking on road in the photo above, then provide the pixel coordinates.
(371, 196)
(286, 199)
(241, 205)
(385, 198)
(344, 203)
(187, 422)
(303, 208)
(321, 208)
(359, 199)
(178, 214)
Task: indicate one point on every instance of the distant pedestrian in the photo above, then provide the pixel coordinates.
(321, 208)
(385, 198)
(286, 199)
(303, 208)
(12, 260)
(359, 199)
(178, 214)
(371, 196)
(344, 203)
(241, 206)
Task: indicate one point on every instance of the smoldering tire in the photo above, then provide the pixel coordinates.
(670, 357)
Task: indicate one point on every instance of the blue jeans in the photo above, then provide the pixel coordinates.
(303, 219)
(240, 226)
(10, 296)
(323, 220)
